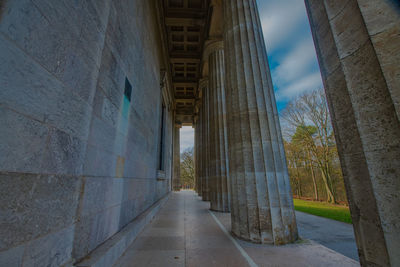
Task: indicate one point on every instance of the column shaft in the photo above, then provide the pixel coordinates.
(206, 144)
(196, 154)
(262, 206)
(219, 199)
(213, 170)
(176, 182)
(199, 151)
(358, 45)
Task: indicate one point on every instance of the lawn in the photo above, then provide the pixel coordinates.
(335, 212)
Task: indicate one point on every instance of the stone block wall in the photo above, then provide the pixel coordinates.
(78, 161)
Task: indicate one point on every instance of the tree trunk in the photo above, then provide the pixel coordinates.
(299, 182)
(313, 176)
(329, 193)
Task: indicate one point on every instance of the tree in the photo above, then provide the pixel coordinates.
(294, 158)
(303, 138)
(308, 117)
(187, 168)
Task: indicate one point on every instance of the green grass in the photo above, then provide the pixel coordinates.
(335, 212)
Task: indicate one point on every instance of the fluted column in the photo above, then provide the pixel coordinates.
(203, 84)
(176, 182)
(199, 154)
(358, 48)
(262, 206)
(198, 148)
(201, 148)
(219, 179)
(196, 151)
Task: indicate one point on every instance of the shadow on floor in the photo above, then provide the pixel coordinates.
(185, 233)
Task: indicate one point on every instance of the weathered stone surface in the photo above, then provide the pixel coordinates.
(219, 199)
(363, 101)
(105, 192)
(66, 41)
(93, 230)
(64, 154)
(108, 253)
(121, 201)
(63, 67)
(26, 201)
(205, 132)
(262, 206)
(49, 39)
(384, 31)
(100, 194)
(99, 162)
(51, 250)
(103, 135)
(12, 257)
(39, 94)
(22, 142)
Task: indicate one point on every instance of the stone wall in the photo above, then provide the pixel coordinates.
(78, 161)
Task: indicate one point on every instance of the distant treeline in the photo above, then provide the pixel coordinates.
(187, 168)
(311, 152)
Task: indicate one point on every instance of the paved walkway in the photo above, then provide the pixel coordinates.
(335, 235)
(186, 233)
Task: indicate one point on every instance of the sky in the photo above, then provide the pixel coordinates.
(291, 53)
(187, 137)
(290, 48)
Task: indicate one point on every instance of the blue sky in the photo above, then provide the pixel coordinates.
(291, 53)
(290, 48)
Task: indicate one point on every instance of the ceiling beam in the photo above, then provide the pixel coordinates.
(184, 22)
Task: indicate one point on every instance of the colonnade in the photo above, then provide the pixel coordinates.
(176, 181)
(240, 160)
(241, 165)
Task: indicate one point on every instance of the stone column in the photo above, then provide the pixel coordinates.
(197, 152)
(358, 48)
(200, 148)
(196, 148)
(214, 53)
(213, 171)
(176, 182)
(203, 84)
(262, 206)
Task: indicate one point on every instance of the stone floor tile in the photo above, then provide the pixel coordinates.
(184, 233)
(159, 243)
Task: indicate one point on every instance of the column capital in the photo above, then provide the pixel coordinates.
(197, 105)
(212, 46)
(216, 3)
(203, 82)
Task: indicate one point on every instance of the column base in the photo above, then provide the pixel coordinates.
(220, 210)
(277, 242)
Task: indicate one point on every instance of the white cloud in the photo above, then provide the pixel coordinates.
(186, 137)
(309, 83)
(279, 19)
(290, 48)
(296, 63)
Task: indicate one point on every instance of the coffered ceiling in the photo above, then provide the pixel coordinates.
(186, 27)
